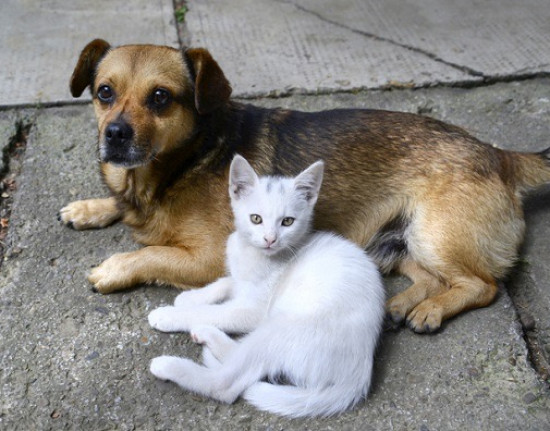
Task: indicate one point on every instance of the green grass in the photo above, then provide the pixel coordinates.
(180, 13)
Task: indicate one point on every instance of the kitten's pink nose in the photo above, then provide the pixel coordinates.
(270, 240)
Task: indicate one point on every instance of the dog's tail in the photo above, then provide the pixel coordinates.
(530, 170)
(293, 401)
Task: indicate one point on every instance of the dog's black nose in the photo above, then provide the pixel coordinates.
(118, 133)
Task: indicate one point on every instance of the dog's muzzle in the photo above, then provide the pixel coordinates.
(119, 146)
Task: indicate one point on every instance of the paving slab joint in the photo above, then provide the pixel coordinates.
(17, 141)
(467, 84)
(521, 290)
(179, 19)
(498, 79)
(12, 156)
(536, 354)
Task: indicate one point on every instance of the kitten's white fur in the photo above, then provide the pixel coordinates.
(313, 304)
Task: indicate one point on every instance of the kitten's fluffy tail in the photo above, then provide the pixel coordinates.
(296, 402)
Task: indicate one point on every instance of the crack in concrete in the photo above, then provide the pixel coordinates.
(12, 157)
(21, 132)
(520, 288)
(279, 93)
(465, 69)
(487, 81)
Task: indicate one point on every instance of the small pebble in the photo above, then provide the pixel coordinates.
(528, 322)
(101, 310)
(92, 356)
(529, 397)
(473, 372)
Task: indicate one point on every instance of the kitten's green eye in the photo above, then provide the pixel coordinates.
(255, 218)
(287, 221)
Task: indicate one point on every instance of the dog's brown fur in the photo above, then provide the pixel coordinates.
(422, 196)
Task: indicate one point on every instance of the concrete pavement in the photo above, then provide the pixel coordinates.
(74, 359)
(40, 41)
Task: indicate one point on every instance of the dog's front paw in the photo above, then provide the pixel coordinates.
(426, 317)
(168, 319)
(90, 213)
(116, 273)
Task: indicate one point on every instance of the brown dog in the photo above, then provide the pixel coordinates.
(421, 196)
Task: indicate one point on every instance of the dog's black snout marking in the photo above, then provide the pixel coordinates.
(118, 133)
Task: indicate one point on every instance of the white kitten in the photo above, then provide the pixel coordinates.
(314, 304)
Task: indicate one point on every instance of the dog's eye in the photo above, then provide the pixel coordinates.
(105, 94)
(161, 98)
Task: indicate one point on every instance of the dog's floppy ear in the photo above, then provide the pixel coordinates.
(212, 89)
(83, 74)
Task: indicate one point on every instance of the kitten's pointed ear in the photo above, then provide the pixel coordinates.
(242, 177)
(308, 183)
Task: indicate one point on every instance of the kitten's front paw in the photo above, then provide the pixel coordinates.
(189, 298)
(204, 334)
(208, 358)
(165, 367)
(167, 319)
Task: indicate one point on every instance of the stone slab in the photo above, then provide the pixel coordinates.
(270, 48)
(277, 47)
(494, 38)
(74, 359)
(281, 47)
(40, 41)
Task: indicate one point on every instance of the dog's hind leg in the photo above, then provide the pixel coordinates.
(424, 286)
(467, 237)
(465, 293)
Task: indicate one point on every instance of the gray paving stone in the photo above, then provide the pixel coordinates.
(74, 359)
(40, 41)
